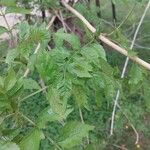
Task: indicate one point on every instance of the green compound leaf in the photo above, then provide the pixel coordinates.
(57, 103)
(10, 80)
(8, 146)
(60, 37)
(80, 96)
(47, 115)
(81, 68)
(136, 74)
(11, 55)
(93, 52)
(73, 133)
(32, 140)
(30, 84)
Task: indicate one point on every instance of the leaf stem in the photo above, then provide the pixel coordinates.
(14, 62)
(81, 116)
(53, 142)
(82, 120)
(34, 93)
(26, 118)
